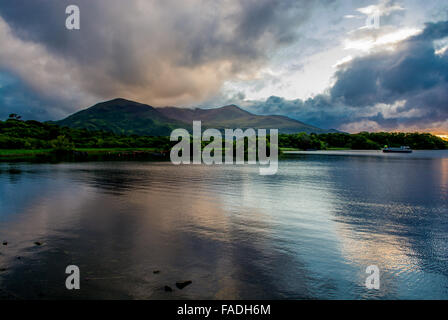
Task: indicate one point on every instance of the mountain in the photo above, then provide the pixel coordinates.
(234, 117)
(122, 117)
(128, 117)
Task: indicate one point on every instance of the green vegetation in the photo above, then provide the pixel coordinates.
(17, 134)
(23, 152)
(362, 141)
(301, 140)
(31, 138)
(62, 145)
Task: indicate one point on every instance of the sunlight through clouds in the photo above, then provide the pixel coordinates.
(318, 60)
(383, 42)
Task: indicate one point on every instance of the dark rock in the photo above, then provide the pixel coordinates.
(156, 271)
(2, 269)
(37, 243)
(181, 285)
(5, 243)
(80, 154)
(168, 289)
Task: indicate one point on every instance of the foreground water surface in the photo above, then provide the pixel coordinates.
(308, 232)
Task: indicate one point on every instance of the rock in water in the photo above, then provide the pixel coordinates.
(168, 289)
(37, 243)
(5, 243)
(181, 285)
(156, 271)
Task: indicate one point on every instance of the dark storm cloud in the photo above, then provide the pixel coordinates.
(412, 77)
(17, 97)
(391, 75)
(319, 111)
(159, 52)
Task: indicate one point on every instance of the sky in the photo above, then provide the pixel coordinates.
(321, 62)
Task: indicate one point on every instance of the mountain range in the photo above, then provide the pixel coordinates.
(123, 116)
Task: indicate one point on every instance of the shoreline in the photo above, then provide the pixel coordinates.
(79, 154)
(124, 154)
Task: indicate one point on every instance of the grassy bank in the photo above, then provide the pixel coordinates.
(115, 150)
(25, 154)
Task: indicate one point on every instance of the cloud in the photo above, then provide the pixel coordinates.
(403, 88)
(15, 97)
(159, 52)
(384, 8)
(190, 52)
(28, 72)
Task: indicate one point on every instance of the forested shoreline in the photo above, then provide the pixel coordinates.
(16, 134)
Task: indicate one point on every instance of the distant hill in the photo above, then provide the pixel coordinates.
(122, 116)
(234, 117)
(128, 117)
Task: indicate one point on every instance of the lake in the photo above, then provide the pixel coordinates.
(310, 231)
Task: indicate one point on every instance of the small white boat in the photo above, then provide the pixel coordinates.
(402, 149)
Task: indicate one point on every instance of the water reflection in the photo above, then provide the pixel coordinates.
(308, 232)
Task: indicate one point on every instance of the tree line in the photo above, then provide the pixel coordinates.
(363, 141)
(18, 134)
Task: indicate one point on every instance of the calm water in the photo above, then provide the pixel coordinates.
(308, 232)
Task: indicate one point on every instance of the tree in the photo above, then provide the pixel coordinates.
(14, 116)
(62, 145)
